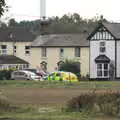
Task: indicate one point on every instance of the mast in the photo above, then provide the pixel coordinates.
(42, 9)
(44, 23)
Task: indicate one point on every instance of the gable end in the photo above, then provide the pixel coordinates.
(101, 33)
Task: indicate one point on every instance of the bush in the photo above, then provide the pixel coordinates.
(106, 102)
(84, 102)
(5, 74)
(70, 66)
(109, 103)
(4, 105)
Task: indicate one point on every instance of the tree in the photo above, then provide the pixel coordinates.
(12, 23)
(3, 7)
(70, 66)
(2, 25)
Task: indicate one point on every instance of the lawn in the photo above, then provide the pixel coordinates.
(47, 100)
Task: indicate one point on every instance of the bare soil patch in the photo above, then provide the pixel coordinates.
(40, 95)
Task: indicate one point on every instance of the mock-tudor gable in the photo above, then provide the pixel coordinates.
(101, 33)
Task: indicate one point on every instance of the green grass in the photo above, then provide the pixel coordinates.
(98, 85)
(58, 115)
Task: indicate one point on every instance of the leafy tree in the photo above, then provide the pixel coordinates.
(12, 23)
(3, 7)
(2, 25)
(70, 66)
(68, 23)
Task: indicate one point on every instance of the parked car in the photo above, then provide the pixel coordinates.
(25, 75)
(62, 76)
(39, 73)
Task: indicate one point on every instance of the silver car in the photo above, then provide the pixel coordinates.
(25, 75)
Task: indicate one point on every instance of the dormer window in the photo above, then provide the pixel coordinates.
(102, 47)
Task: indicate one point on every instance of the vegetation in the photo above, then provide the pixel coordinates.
(3, 7)
(86, 86)
(5, 74)
(107, 103)
(70, 66)
(31, 100)
(68, 23)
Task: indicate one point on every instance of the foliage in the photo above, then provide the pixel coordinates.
(70, 66)
(28, 112)
(3, 7)
(4, 104)
(84, 102)
(107, 103)
(5, 74)
(68, 23)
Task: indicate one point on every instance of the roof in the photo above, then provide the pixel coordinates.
(10, 59)
(19, 34)
(114, 28)
(102, 59)
(61, 40)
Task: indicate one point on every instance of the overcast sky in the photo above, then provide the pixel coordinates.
(30, 9)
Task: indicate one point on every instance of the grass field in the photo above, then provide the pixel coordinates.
(45, 100)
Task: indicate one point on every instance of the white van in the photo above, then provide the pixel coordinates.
(25, 75)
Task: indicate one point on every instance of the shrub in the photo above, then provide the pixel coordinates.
(5, 74)
(70, 66)
(84, 102)
(109, 103)
(102, 102)
(4, 104)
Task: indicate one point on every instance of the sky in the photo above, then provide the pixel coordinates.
(30, 9)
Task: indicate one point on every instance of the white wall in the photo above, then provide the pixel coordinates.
(94, 52)
(118, 60)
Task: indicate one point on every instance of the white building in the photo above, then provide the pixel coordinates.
(105, 51)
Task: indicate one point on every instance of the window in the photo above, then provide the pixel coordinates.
(105, 70)
(61, 52)
(77, 51)
(27, 50)
(102, 47)
(43, 65)
(99, 70)
(4, 49)
(15, 47)
(44, 52)
(102, 70)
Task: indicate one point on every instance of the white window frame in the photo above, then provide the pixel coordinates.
(102, 47)
(103, 70)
